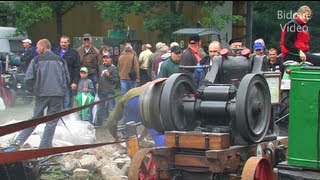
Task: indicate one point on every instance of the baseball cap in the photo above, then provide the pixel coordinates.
(86, 36)
(107, 55)
(84, 69)
(194, 39)
(176, 49)
(148, 46)
(257, 46)
(27, 41)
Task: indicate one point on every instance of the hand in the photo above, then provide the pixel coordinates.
(303, 56)
(73, 86)
(106, 73)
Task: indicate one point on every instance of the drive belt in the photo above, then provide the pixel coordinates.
(14, 156)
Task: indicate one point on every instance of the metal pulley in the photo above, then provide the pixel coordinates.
(253, 108)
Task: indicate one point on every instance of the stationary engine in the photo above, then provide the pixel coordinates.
(234, 99)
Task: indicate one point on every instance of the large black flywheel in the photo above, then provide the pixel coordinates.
(253, 108)
(149, 106)
(177, 87)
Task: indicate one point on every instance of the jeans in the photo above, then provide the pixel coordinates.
(68, 100)
(126, 85)
(144, 77)
(103, 111)
(54, 105)
(94, 79)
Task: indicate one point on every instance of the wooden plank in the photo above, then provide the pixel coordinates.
(190, 160)
(193, 140)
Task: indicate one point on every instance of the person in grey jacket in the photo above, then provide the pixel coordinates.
(109, 77)
(49, 76)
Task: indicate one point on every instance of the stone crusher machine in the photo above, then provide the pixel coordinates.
(222, 130)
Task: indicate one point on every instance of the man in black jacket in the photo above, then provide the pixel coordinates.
(72, 59)
(27, 55)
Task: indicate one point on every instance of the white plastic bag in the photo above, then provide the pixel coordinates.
(2, 105)
(95, 108)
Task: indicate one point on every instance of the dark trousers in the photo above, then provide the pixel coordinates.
(144, 77)
(54, 104)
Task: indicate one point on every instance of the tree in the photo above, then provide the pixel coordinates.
(162, 16)
(28, 13)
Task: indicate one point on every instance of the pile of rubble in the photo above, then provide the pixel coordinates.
(106, 162)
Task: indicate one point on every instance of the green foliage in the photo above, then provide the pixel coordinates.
(165, 24)
(162, 16)
(28, 13)
(214, 18)
(114, 11)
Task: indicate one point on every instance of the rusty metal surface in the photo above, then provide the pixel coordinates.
(137, 162)
(252, 168)
(230, 159)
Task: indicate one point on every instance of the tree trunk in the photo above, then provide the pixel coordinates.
(59, 25)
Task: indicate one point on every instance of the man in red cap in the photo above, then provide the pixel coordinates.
(191, 56)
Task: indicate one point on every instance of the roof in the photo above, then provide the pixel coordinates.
(198, 31)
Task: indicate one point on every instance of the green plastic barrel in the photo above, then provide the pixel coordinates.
(303, 147)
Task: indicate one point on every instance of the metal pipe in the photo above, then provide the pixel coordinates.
(214, 107)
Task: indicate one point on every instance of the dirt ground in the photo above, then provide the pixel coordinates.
(21, 112)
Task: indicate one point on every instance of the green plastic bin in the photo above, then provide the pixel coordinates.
(303, 147)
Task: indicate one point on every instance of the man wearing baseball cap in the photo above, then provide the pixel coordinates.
(191, 57)
(171, 65)
(108, 79)
(27, 55)
(89, 57)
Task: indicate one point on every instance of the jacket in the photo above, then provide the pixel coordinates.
(188, 59)
(72, 58)
(294, 37)
(85, 82)
(108, 84)
(169, 67)
(26, 57)
(125, 63)
(90, 59)
(48, 75)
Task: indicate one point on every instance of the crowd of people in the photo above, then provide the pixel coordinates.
(55, 76)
